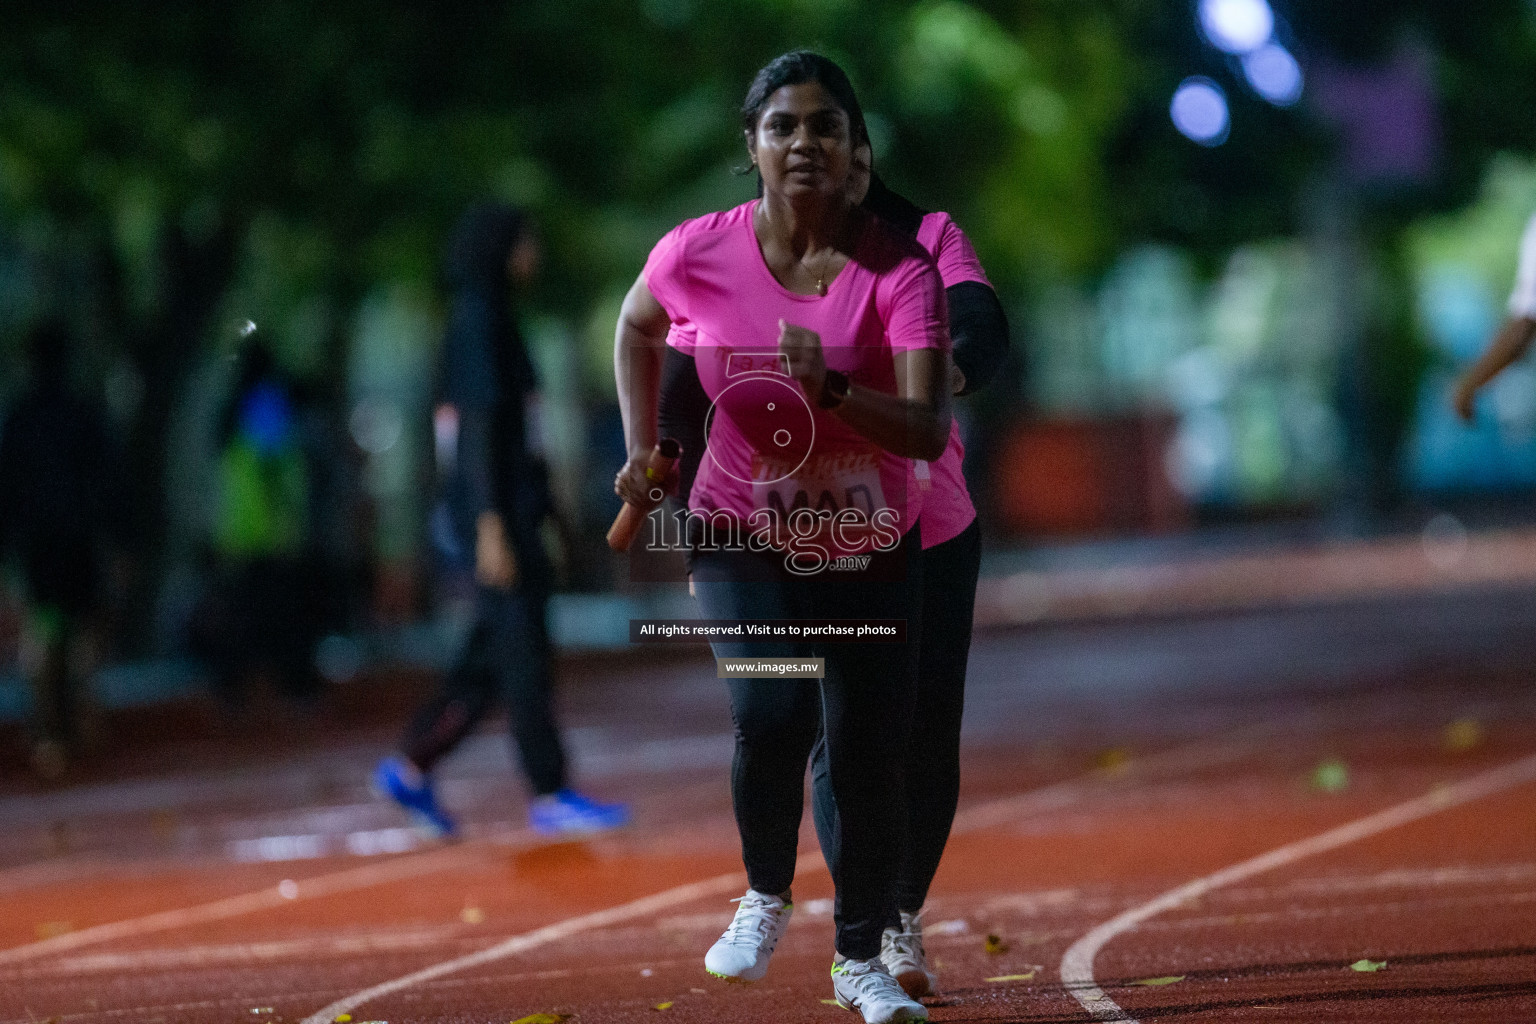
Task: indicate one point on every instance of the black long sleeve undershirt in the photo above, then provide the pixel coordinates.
(681, 413)
(978, 332)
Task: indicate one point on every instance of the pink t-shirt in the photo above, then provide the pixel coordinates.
(947, 507)
(770, 450)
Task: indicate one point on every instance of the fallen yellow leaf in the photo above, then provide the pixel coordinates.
(832, 1002)
(995, 945)
(1152, 982)
(343, 1018)
(1113, 761)
(1463, 734)
(662, 1006)
(1013, 977)
(1365, 966)
(543, 1018)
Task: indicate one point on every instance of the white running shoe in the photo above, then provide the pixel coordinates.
(742, 953)
(866, 986)
(901, 950)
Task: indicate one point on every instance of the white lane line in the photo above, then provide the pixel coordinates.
(262, 899)
(1077, 963)
(539, 937)
(49, 872)
(243, 953)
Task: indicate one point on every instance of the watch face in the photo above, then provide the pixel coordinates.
(834, 388)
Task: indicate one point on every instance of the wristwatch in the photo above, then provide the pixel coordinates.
(834, 388)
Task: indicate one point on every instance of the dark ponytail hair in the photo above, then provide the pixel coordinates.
(895, 209)
(797, 68)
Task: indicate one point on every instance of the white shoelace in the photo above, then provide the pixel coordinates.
(908, 941)
(871, 981)
(755, 917)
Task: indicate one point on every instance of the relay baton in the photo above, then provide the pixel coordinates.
(622, 534)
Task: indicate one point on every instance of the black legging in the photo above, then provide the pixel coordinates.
(862, 708)
(507, 654)
(931, 758)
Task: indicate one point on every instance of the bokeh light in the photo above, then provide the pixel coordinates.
(1237, 26)
(1274, 74)
(1199, 111)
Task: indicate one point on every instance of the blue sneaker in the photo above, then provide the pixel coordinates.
(398, 780)
(569, 813)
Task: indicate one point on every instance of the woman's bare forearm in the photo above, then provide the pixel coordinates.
(639, 344)
(914, 423)
(906, 427)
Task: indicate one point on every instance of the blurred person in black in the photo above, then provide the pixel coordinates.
(260, 612)
(58, 496)
(494, 500)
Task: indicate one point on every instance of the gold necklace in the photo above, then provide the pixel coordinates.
(826, 261)
(821, 275)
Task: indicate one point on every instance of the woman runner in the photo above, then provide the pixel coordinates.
(951, 563)
(821, 340)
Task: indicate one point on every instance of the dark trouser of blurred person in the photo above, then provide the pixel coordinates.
(507, 656)
(863, 709)
(62, 576)
(931, 760)
(261, 615)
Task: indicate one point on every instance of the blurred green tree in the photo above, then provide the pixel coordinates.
(296, 154)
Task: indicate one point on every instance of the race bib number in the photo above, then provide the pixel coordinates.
(843, 491)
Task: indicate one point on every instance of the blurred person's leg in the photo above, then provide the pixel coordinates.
(519, 648)
(517, 645)
(213, 636)
(461, 700)
(295, 626)
(61, 577)
(44, 663)
(459, 703)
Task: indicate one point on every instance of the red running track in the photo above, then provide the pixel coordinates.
(1106, 766)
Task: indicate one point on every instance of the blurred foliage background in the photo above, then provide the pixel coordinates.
(169, 171)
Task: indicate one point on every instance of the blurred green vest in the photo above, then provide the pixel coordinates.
(263, 500)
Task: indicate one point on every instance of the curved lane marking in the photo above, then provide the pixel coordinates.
(1077, 962)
